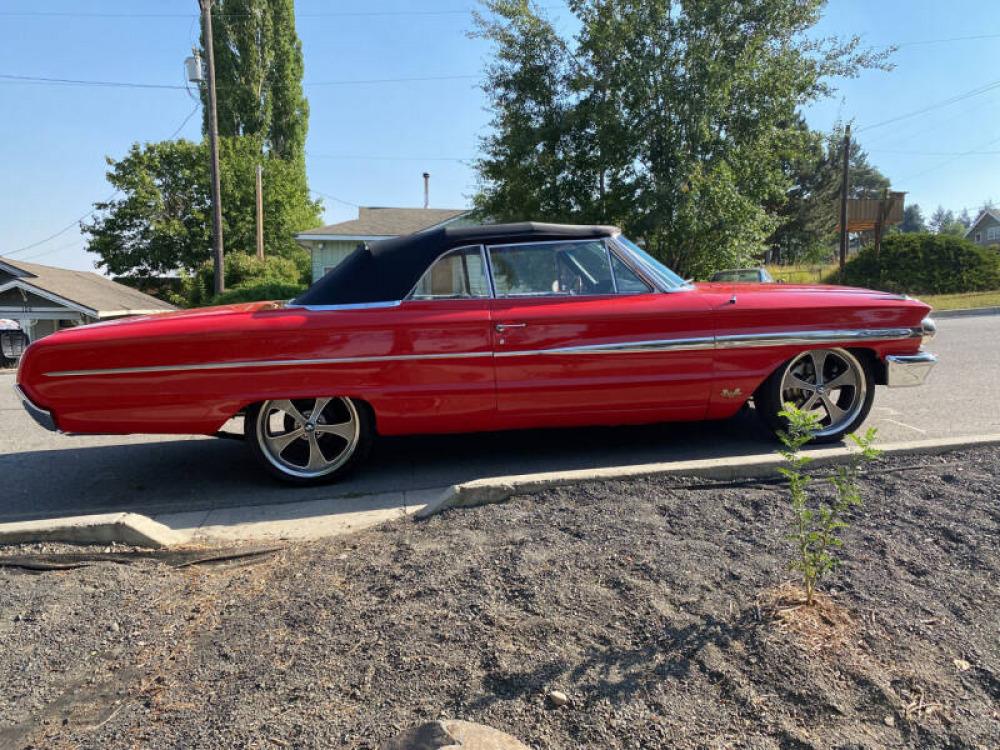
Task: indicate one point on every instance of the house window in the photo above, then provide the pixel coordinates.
(993, 233)
(979, 237)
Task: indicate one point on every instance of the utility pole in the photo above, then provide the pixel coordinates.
(843, 200)
(213, 143)
(260, 212)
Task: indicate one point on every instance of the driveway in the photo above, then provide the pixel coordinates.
(46, 475)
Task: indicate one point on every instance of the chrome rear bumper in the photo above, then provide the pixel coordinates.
(904, 370)
(40, 415)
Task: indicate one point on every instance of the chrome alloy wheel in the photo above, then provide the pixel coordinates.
(308, 438)
(830, 383)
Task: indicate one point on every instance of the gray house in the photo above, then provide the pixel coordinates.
(43, 299)
(331, 244)
(985, 230)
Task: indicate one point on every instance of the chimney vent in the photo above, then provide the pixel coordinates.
(427, 189)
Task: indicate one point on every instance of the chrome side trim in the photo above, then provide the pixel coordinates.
(264, 363)
(40, 415)
(815, 337)
(629, 347)
(355, 306)
(693, 343)
(907, 370)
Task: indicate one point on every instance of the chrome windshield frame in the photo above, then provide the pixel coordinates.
(639, 265)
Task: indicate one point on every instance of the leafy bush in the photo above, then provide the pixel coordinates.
(246, 275)
(925, 263)
(816, 527)
(254, 292)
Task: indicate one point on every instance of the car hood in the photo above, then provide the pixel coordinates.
(724, 287)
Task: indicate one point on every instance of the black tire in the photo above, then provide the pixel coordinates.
(255, 428)
(768, 399)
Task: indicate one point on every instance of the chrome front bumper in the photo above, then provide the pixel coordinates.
(904, 370)
(44, 418)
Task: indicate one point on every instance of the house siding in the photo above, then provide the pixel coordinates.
(982, 230)
(329, 253)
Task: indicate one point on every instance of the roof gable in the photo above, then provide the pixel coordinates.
(989, 213)
(376, 222)
(87, 292)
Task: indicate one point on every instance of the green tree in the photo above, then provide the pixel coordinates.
(263, 119)
(245, 274)
(913, 219)
(940, 219)
(161, 222)
(258, 71)
(675, 120)
(810, 209)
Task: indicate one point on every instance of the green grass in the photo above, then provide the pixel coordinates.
(816, 273)
(961, 301)
(813, 273)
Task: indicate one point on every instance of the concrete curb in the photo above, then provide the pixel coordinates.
(285, 521)
(966, 313)
(124, 528)
(499, 489)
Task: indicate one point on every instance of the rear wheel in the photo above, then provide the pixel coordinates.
(832, 384)
(308, 441)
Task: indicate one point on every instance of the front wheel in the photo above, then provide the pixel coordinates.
(833, 384)
(307, 441)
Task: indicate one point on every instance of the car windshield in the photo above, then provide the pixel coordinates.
(666, 278)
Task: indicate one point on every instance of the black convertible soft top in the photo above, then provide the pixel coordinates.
(386, 271)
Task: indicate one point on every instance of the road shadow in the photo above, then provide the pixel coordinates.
(170, 476)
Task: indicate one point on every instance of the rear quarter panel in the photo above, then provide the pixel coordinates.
(762, 309)
(405, 393)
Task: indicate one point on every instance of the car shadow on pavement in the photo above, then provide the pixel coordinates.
(173, 476)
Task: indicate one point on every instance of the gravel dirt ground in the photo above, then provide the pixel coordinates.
(648, 603)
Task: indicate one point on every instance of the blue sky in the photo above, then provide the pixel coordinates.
(369, 142)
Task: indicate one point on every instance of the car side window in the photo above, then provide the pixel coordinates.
(552, 268)
(626, 281)
(459, 274)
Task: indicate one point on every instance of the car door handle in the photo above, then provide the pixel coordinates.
(501, 327)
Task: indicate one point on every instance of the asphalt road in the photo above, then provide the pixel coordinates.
(44, 475)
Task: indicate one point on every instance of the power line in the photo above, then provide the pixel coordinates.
(74, 243)
(81, 82)
(973, 150)
(976, 37)
(388, 158)
(76, 222)
(347, 82)
(335, 14)
(333, 198)
(72, 225)
(931, 153)
(937, 105)
(13, 78)
(184, 122)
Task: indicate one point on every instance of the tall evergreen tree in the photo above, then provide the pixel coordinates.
(262, 111)
(913, 219)
(940, 219)
(258, 72)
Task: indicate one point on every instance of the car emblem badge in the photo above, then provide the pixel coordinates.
(732, 392)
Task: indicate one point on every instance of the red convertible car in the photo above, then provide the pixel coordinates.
(479, 328)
